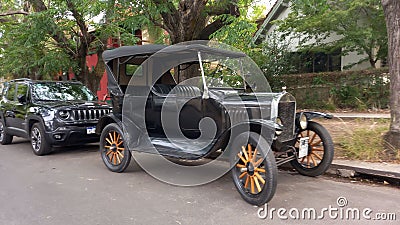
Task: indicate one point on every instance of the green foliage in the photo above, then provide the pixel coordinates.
(358, 90)
(358, 24)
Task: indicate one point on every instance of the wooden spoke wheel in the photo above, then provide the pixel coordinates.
(254, 174)
(113, 151)
(320, 151)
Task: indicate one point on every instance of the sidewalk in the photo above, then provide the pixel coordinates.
(350, 168)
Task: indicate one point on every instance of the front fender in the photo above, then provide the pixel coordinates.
(105, 120)
(312, 115)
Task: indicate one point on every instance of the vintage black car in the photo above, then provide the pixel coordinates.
(158, 110)
(49, 113)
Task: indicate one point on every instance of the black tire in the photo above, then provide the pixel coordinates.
(258, 168)
(5, 138)
(114, 154)
(320, 151)
(40, 145)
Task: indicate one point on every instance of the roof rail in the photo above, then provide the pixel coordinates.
(22, 79)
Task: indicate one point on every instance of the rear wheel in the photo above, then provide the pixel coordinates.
(5, 138)
(115, 155)
(320, 151)
(254, 173)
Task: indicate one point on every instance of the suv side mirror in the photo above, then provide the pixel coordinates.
(21, 99)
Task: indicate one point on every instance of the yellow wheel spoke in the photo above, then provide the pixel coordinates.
(120, 149)
(110, 142)
(316, 143)
(317, 149)
(112, 157)
(318, 156)
(252, 185)
(115, 159)
(119, 160)
(249, 150)
(259, 161)
(245, 161)
(111, 138)
(245, 153)
(240, 166)
(259, 177)
(254, 155)
(260, 170)
(109, 151)
(312, 138)
(120, 154)
(257, 184)
(246, 184)
(313, 160)
(242, 175)
(107, 146)
(308, 161)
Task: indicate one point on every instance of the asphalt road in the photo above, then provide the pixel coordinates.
(72, 186)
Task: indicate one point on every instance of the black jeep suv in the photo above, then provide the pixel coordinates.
(49, 113)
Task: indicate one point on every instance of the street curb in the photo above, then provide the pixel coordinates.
(352, 171)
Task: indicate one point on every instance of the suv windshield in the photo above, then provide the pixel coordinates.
(61, 92)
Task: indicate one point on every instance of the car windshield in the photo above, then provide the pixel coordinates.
(59, 91)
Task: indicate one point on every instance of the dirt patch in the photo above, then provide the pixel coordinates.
(352, 136)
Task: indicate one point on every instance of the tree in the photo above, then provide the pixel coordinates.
(185, 20)
(392, 15)
(54, 36)
(359, 24)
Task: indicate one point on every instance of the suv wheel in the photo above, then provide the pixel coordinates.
(114, 153)
(39, 143)
(5, 138)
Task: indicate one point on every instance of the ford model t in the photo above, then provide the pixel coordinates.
(203, 104)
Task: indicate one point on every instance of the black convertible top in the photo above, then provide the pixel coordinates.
(131, 50)
(166, 50)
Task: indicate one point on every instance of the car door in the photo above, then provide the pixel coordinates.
(20, 106)
(8, 103)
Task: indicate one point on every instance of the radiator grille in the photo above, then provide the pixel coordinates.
(89, 114)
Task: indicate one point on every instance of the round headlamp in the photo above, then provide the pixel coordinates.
(278, 131)
(303, 121)
(64, 114)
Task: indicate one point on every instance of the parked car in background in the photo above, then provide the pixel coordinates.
(49, 113)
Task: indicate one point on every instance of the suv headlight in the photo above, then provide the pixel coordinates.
(64, 114)
(303, 122)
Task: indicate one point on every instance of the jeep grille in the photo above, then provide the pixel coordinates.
(89, 114)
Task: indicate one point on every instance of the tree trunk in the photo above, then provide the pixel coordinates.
(392, 14)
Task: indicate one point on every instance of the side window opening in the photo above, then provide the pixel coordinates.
(11, 92)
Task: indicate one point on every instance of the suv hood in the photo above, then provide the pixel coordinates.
(73, 104)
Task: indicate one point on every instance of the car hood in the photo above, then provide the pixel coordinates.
(73, 104)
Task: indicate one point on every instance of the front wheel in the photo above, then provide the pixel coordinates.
(115, 155)
(40, 145)
(255, 172)
(320, 151)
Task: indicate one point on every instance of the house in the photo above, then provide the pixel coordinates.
(313, 61)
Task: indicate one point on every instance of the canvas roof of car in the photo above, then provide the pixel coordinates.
(175, 49)
(131, 50)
